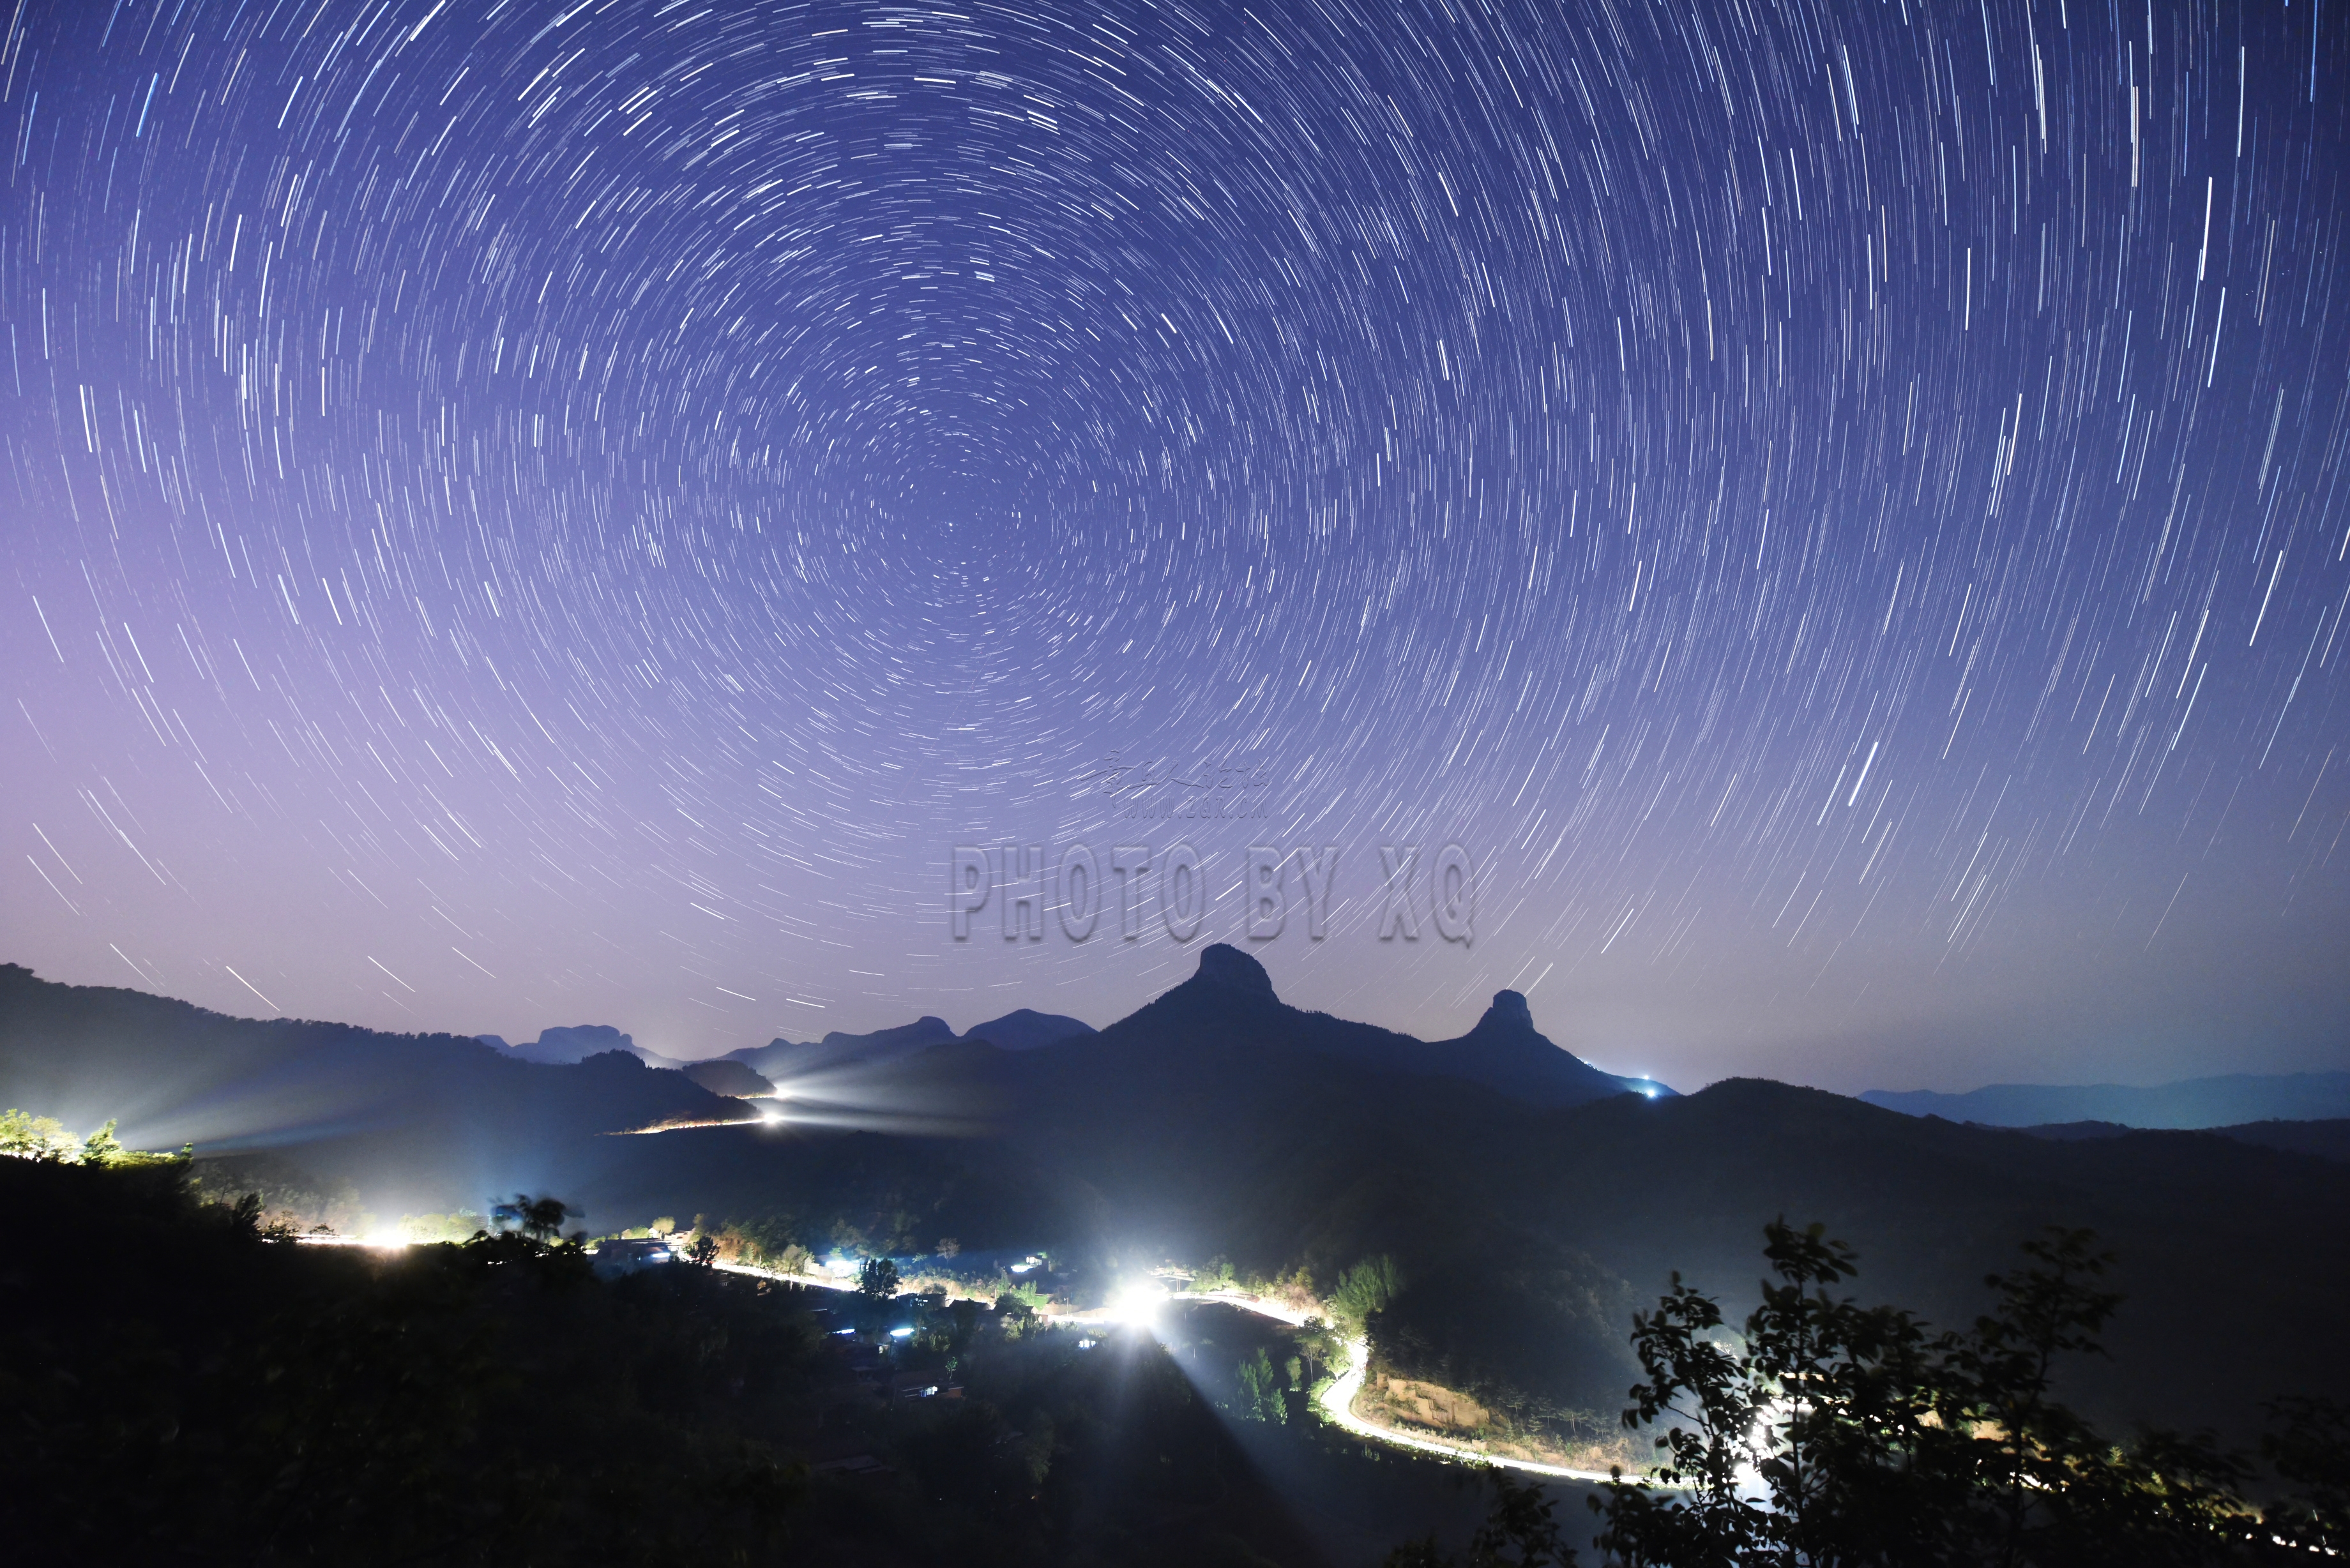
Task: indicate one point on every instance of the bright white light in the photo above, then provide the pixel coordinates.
(840, 1266)
(771, 1114)
(1022, 1268)
(900, 1333)
(1085, 1344)
(1137, 1303)
(387, 1239)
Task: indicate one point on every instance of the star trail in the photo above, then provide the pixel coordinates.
(527, 514)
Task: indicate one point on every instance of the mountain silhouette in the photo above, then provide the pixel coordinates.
(1022, 1030)
(2194, 1103)
(420, 1121)
(780, 1061)
(1506, 1051)
(1232, 997)
(1025, 1029)
(732, 1079)
(2326, 1139)
(562, 1046)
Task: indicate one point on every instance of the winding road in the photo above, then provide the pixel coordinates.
(1337, 1402)
(1338, 1397)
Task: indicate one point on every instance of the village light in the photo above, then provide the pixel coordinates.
(1137, 1305)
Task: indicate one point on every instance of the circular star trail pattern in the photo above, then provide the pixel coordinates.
(526, 514)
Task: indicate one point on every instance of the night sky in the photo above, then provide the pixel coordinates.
(524, 513)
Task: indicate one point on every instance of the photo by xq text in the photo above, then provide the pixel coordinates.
(1179, 885)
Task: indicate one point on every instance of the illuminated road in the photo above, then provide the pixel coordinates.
(1338, 1398)
(1338, 1403)
(822, 1281)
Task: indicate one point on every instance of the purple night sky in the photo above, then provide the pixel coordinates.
(523, 514)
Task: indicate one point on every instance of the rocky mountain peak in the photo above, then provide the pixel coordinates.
(1223, 965)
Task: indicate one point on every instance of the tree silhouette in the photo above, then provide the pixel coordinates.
(540, 1219)
(1365, 1289)
(1260, 1390)
(29, 1136)
(1518, 1532)
(102, 1147)
(2312, 1450)
(1014, 1316)
(1835, 1433)
(878, 1279)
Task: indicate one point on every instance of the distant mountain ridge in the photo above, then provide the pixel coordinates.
(781, 1061)
(571, 1044)
(2323, 1139)
(1230, 990)
(559, 1047)
(1232, 997)
(416, 1113)
(753, 1069)
(419, 1118)
(2190, 1105)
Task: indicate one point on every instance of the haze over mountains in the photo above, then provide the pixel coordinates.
(754, 1071)
(2193, 1103)
(434, 1120)
(1025, 1030)
(411, 1120)
(1020, 1030)
(1531, 1200)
